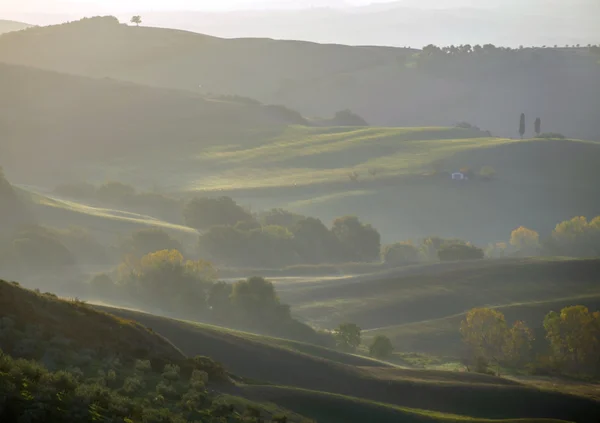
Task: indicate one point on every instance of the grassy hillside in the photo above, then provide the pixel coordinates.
(10, 26)
(64, 361)
(96, 127)
(104, 223)
(418, 295)
(85, 327)
(102, 129)
(387, 86)
(292, 364)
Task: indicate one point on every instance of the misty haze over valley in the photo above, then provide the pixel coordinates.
(286, 211)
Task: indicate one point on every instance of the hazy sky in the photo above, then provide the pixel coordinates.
(61, 6)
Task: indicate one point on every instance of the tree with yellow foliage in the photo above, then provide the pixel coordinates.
(518, 345)
(484, 333)
(574, 336)
(577, 237)
(490, 340)
(527, 241)
(165, 279)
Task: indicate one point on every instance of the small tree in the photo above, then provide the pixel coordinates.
(347, 337)
(538, 126)
(522, 125)
(381, 347)
(526, 240)
(137, 19)
(484, 333)
(399, 254)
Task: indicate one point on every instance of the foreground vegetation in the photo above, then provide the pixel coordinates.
(63, 361)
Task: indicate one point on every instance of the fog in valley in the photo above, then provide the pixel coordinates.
(285, 211)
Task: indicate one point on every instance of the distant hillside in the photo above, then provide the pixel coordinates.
(87, 120)
(386, 86)
(10, 26)
(267, 156)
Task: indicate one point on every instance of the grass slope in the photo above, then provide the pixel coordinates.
(88, 328)
(103, 222)
(424, 292)
(97, 127)
(292, 365)
(333, 408)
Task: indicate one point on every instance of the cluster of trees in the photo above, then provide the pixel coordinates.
(164, 281)
(576, 237)
(430, 249)
(573, 341)
(348, 338)
(233, 236)
(117, 393)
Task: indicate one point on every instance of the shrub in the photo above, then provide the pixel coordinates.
(171, 372)
(202, 213)
(399, 254)
(381, 347)
(132, 386)
(166, 390)
(457, 252)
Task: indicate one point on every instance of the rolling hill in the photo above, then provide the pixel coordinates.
(387, 86)
(312, 375)
(97, 126)
(425, 296)
(413, 396)
(263, 156)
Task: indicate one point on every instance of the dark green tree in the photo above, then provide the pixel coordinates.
(361, 241)
(204, 212)
(522, 125)
(538, 126)
(381, 347)
(347, 336)
(137, 19)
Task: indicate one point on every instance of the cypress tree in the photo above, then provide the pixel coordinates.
(522, 125)
(538, 126)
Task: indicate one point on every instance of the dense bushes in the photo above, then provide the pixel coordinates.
(283, 239)
(202, 213)
(457, 252)
(29, 392)
(400, 254)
